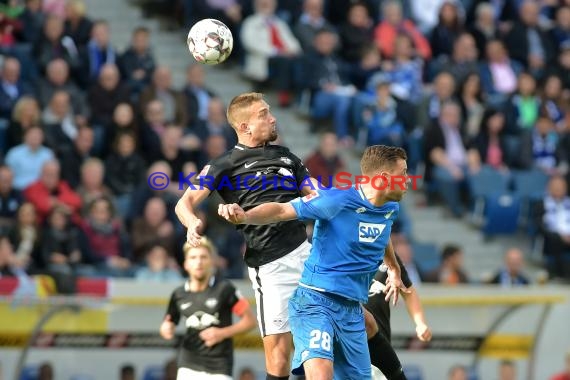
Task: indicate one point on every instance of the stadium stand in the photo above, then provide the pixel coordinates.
(93, 101)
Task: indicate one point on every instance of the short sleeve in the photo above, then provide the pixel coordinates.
(210, 176)
(320, 205)
(301, 172)
(234, 299)
(172, 309)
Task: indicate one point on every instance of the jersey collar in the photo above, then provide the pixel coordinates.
(210, 283)
(244, 147)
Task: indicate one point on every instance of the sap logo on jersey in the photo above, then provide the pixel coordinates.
(369, 232)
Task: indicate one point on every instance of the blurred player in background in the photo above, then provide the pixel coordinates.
(207, 302)
(275, 253)
(350, 240)
(382, 354)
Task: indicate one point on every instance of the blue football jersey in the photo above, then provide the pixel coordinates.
(349, 240)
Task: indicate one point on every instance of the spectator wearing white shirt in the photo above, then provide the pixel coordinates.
(26, 160)
(554, 214)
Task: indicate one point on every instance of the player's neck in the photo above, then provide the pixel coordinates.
(375, 196)
(250, 142)
(197, 285)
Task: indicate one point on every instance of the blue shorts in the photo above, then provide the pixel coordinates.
(329, 327)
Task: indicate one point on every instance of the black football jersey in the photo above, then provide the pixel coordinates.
(253, 176)
(211, 307)
(377, 305)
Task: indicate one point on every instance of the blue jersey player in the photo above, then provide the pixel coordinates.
(350, 239)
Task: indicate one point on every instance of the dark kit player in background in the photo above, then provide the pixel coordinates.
(207, 303)
(382, 354)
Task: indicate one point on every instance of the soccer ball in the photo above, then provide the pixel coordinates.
(210, 41)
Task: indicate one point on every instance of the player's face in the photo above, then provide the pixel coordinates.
(398, 180)
(262, 124)
(198, 263)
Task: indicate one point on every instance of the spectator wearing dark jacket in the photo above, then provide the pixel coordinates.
(528, 43)
(54, 44)
(77, 24)
(356, 33)
(197, 95)
(490, 147)
(328, 79)
(12, 88)
(511, 275)
(124, 170)
(137, 63)
(72, 159)
(32, 19)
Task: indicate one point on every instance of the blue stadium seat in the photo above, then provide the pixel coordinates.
(30, 372)
(81, 376)
(472, 374)
(501, 214)
(485, 183)
(426, 256)
(413, 372)
(530, 185)
(154, 372)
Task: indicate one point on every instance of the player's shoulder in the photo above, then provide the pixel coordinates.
(179, 291)
(285, 152)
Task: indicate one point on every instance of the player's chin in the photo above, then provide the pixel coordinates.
(397, 196)
(273, 136)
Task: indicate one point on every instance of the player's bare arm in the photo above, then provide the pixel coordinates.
(267, 213)
(416, 312)
(214, 335)
(167, 328)
(394, 283)
(185, 212)
(306, 190)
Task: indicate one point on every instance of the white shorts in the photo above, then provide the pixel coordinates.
(274, 284)
(190, 374)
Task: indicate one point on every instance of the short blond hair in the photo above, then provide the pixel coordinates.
(239, 105)
(204, 243)
(378, 157)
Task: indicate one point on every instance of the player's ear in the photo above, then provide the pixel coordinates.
(244, 128)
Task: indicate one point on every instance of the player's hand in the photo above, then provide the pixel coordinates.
(212, 336)
(167, 328)
(394, 286)
(193, 236)
(233, 213)
(423, 332)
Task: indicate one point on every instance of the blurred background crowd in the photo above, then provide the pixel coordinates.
(476, 91)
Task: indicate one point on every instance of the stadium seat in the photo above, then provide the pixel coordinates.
(530, 185)
(501, 214)
(426, 256)
(155, 372)
(486, 182)
(81, 376)
(413, 372)
(30, 372)
(472, 374)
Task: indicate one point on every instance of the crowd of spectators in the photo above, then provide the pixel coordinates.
(462, 85)
(82, 125)
(468, 88)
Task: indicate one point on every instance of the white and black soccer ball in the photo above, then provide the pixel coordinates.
(210, 41)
